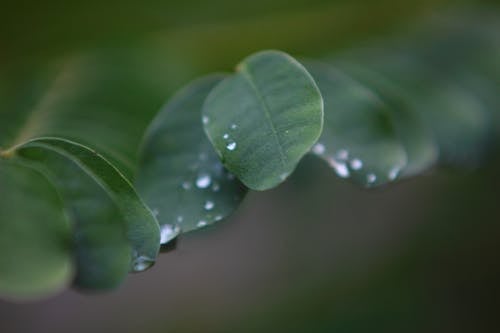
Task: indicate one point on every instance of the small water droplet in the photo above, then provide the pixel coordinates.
(342, 154)
(141, 263)
(318, 148)
(205, 119)
(234, 126)
(356, 164)
(283, 176)
(168, 232)
(218, 217)
(393, 173)
(203, 181)
(215, 187)
(340, 168)
(226, 136)
(155, 212)
(209, 205)
(231, 145)
(180, 218)
(186, 185)
(371, 178)
(201, 223)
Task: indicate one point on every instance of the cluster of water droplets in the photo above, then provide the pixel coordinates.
(230, 143)
(344, 165)
(209, 177)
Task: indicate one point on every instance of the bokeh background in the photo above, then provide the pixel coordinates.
(317, 254)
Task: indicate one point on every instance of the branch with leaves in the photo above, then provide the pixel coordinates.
(90, 216)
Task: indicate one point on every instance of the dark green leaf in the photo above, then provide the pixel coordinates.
(35, 236)
(114, 231)
(359, 140)
(264, 118)
(419, 145)
(180, 176)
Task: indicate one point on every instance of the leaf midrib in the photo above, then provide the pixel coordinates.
(248, 76)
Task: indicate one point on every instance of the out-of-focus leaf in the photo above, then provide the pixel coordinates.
(456, 118)
(103, 99)
(114, 232)
(180, 176)
(419, 145)
(35, 243)
(264, 118)
(359, 140)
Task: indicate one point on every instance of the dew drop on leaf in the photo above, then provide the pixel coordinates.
(356, 164)
(203, 181)
(141, 263)
(168, 232)
(318, 148)
(209, 205)
(371, 178)
(340, 168)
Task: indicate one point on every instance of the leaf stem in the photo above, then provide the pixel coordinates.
(9, 153)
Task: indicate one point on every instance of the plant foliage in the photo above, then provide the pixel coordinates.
(78, 208)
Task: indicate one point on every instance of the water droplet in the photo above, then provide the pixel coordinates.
(209, 205)
(215, 187)
(155, 212)
(168, 232)
(234, 126)
(205, 119)
(226, 136)
(393, 173)
(218, 217)
(201, 223)
(231, 145)
(141, 263)
(342, 154)
(318, 148)
(180, 218)
(356, 164)
(186, 185)
(340, 168)
(203, 181)
(371, 178)
(283, 176)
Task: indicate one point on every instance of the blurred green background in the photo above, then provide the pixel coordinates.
(315, 255)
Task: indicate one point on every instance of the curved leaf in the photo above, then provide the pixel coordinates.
(180, 176)
(457, 119)
(114, 231)
(102, 99)
(359, 140)
(35, 239)
(264, 118)
(420, 147)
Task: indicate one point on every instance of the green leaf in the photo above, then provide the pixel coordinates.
(180, 176)
(419, 145)
(264, 118)
(359, 140)
(103, 99)
(35, 241)
(457, 120)
(114, 232)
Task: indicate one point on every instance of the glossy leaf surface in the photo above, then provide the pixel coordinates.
(180, 176)
(264, 118)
